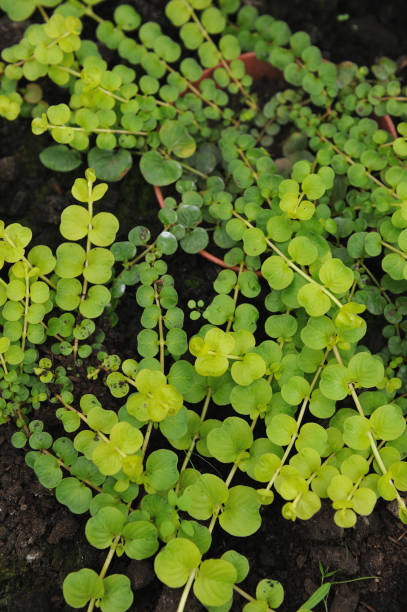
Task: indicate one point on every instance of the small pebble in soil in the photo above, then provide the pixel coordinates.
(33, 555)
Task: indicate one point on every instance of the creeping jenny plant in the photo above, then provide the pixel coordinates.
(282, 389)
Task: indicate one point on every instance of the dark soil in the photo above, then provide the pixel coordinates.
(41, 541)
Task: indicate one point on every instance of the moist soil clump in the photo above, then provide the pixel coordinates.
(40, 540)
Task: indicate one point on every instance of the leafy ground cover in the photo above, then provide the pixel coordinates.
(268, 555)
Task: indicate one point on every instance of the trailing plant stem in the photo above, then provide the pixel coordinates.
(68, 469)
(292, 265)
(147, 437)
(41, 10)
(26, 305)
(188, 585)
(160, 327)
(351, 162)
(85, 265)
(83, 417)
(248, 98)
(299, 420)
(105, 567)
(3, 364)
(196, 436)
(189, 168)
(394, 249)
(235, 296)
(372, 441)
(29, 264)
(87, 9)
(185, 592)
(252, 170)
(376, 282)
(247, 596)
(96, 130)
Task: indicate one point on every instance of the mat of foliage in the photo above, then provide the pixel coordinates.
(40, 540)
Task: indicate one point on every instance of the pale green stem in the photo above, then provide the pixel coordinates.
(105, 567)
(188, 585)
(85, 265)
(96, 130)
(376, 282)
(235, 296)
(147, 437)
(244, 594)
(43, 13)
(85, 420)
(372, 441)
(228, 481)
(251, 102)
(186, 166)
(299, 420)
(292, 265)
(185, 592)
(146, 250)
(87, 9)
(247, 596)
(49, 46)
(26, 305)
(308, 481)
(196, 436)
(252, 170)
(68, 469)
(119, 98)
(29, 264)
(394, 249)
(141, 255)
(99, 87)
(3, 364)
(192, 88)
(161, 340)
(351, 162)
(130, 381)
(237, 357)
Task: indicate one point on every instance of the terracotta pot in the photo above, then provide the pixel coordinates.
(257, 69)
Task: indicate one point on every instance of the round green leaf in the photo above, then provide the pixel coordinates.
(334, 382)
(314, 300)
(270, 591)
(366, 370)
(109, 165)
(140, 539)
(355, 430)
(336, 276)
(159, 171)
(202, 497)
(74, 494)
(277, 272)
(161, 469)
(60, 158)
(79, 587)
(213, 585)
(104, 526)
(117, 596)
(227, 441)
(175, 561)
(388, 422)
(240, 516)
